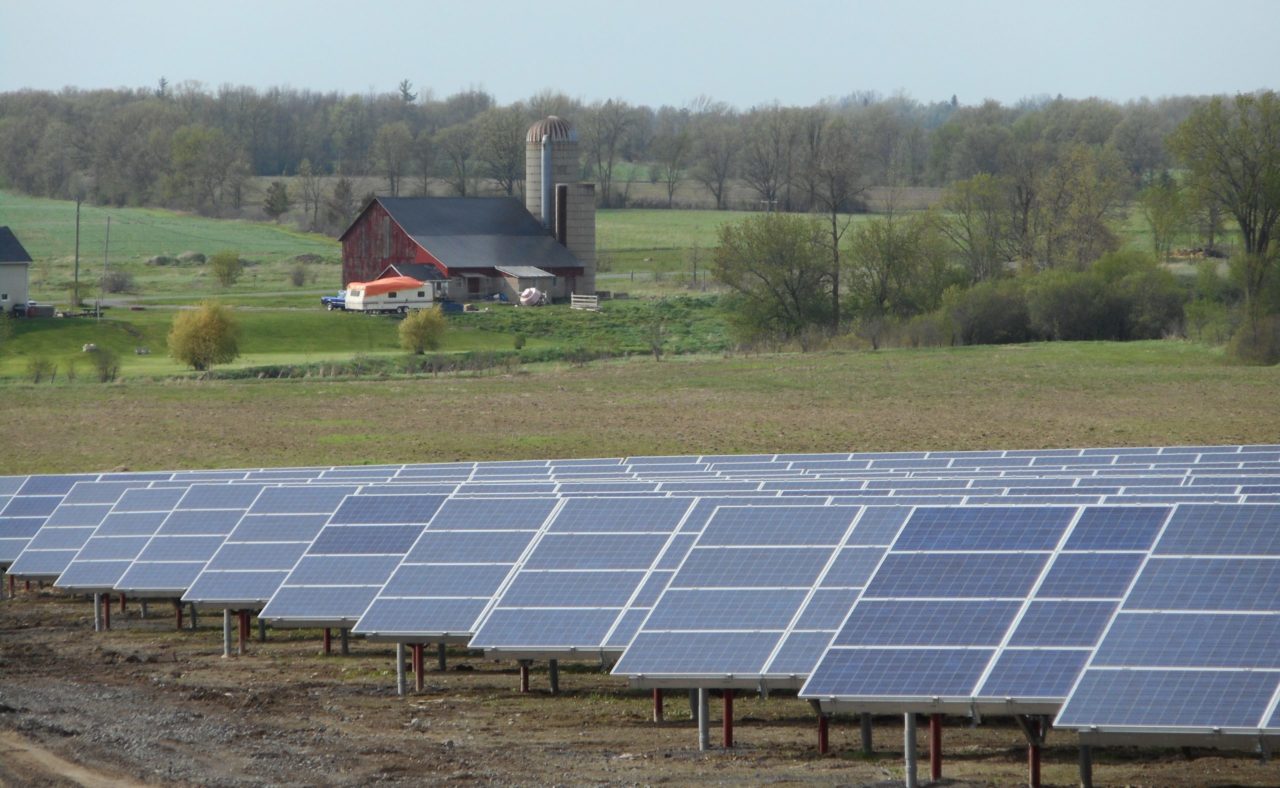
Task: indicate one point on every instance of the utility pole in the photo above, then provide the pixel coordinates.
(75, 288)
(106, 256)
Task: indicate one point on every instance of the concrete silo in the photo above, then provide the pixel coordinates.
(554, 195)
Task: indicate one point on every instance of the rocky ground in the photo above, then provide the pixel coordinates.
(145, 704)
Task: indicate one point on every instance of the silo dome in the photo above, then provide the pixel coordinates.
(554, 127)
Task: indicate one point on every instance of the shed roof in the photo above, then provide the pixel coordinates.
(477, 232)
(11, 250)
(524, 272)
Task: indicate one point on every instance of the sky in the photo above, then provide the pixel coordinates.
(654, 52)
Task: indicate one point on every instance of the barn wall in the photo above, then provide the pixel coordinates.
(373, 243)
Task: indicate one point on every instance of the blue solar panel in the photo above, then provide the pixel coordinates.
(1198, 640)
(777, 526)
(1062, 624)
(571, 589)
(426, 616)
(1168, 699)
(446, 580)
(879, 673)
(463, 547)
(523, 628)
(927, 623)
(58, 485)
(917, 575)
(387, 509)
(1034, 673)
(795, 567)
(627, 515)
(1237, 530)
(742, 608)
(697, 653)
(34, 506)
(1091, 575)
(1207, 584)
(1014, 528)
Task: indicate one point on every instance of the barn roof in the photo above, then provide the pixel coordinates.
(420, 271)
(477, 232)
(11, 250)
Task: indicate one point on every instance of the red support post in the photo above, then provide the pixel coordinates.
(106, 611)
(728, 719)
(419, 680)
(824, 734)
(122, 603)
(28, 585)
(177, 609)
(1033, 756)
(524, 676)
(657, 705)
(242, 619)
(12, 593)
(327, 642)
(935, 747)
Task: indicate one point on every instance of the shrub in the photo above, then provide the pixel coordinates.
(423, 330)
(990, 313)
(191, 257)
(1067, 305)
(519, 341)
(298, 275)
(226, 267)
(39, 368)
(1257, 341)
(117, 281)
(106, 364)
(160, 259)
(204, 336)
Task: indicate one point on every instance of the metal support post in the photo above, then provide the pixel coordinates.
(142, 610)
(177, 611)
(553, 675)
(909, 750)
(728, 719)
(122, 603)
(704, 719)
(106, 611)
(194, 620)
(344, 638)
(226, 633)
(864, 722)
(1086, 766)
(657, 704)
(693, 705)
(442, 656)
(97, 612)
(402, 684)
(262, 630)
(13, 593)
(524, 675)
(935, 747)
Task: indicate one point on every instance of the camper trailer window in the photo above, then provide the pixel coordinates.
(422, 294)
(392, 294)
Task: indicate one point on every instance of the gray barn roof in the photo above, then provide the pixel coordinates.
(11, 250)
(478, 232)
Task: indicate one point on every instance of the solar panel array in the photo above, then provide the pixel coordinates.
(960, 581)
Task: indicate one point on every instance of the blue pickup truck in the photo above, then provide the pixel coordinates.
(335, 302)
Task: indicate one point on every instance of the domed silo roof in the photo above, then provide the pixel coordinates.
(554, 127)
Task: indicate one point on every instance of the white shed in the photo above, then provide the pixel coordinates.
(15, 270)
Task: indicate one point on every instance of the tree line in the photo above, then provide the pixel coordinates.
(195, 148)
(1033, 249)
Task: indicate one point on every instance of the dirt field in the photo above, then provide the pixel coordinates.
(145, 704)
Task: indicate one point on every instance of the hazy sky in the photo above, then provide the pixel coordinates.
(654, 52)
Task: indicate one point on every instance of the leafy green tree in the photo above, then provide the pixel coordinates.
(277, 202)
(1165, 208)
(780, 273)
(226, 267)
(975, 219)
(1232, 149)
(898, 267)
(204, 336)
(423, 330)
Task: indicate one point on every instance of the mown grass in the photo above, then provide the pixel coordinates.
(1056, 394)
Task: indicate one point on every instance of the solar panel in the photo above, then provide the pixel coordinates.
(1195, 647)
(622, 537)
(63, 527)
(350, 559)
(985, 608)
(447, 580)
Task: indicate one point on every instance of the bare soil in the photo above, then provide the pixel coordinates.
(145, 704)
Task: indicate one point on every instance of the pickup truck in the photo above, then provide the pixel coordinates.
(335, 302)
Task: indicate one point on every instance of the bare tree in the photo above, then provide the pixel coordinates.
(672, 146)
(605, 126)
(837, 178)
(499, 148)
(457, 143)
(393, 150)
(768, 154)
(312, 192)
(718, 138)
(424, 160)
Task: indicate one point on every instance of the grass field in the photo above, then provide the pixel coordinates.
(1059, 394)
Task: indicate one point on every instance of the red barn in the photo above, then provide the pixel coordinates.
(482, 245)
